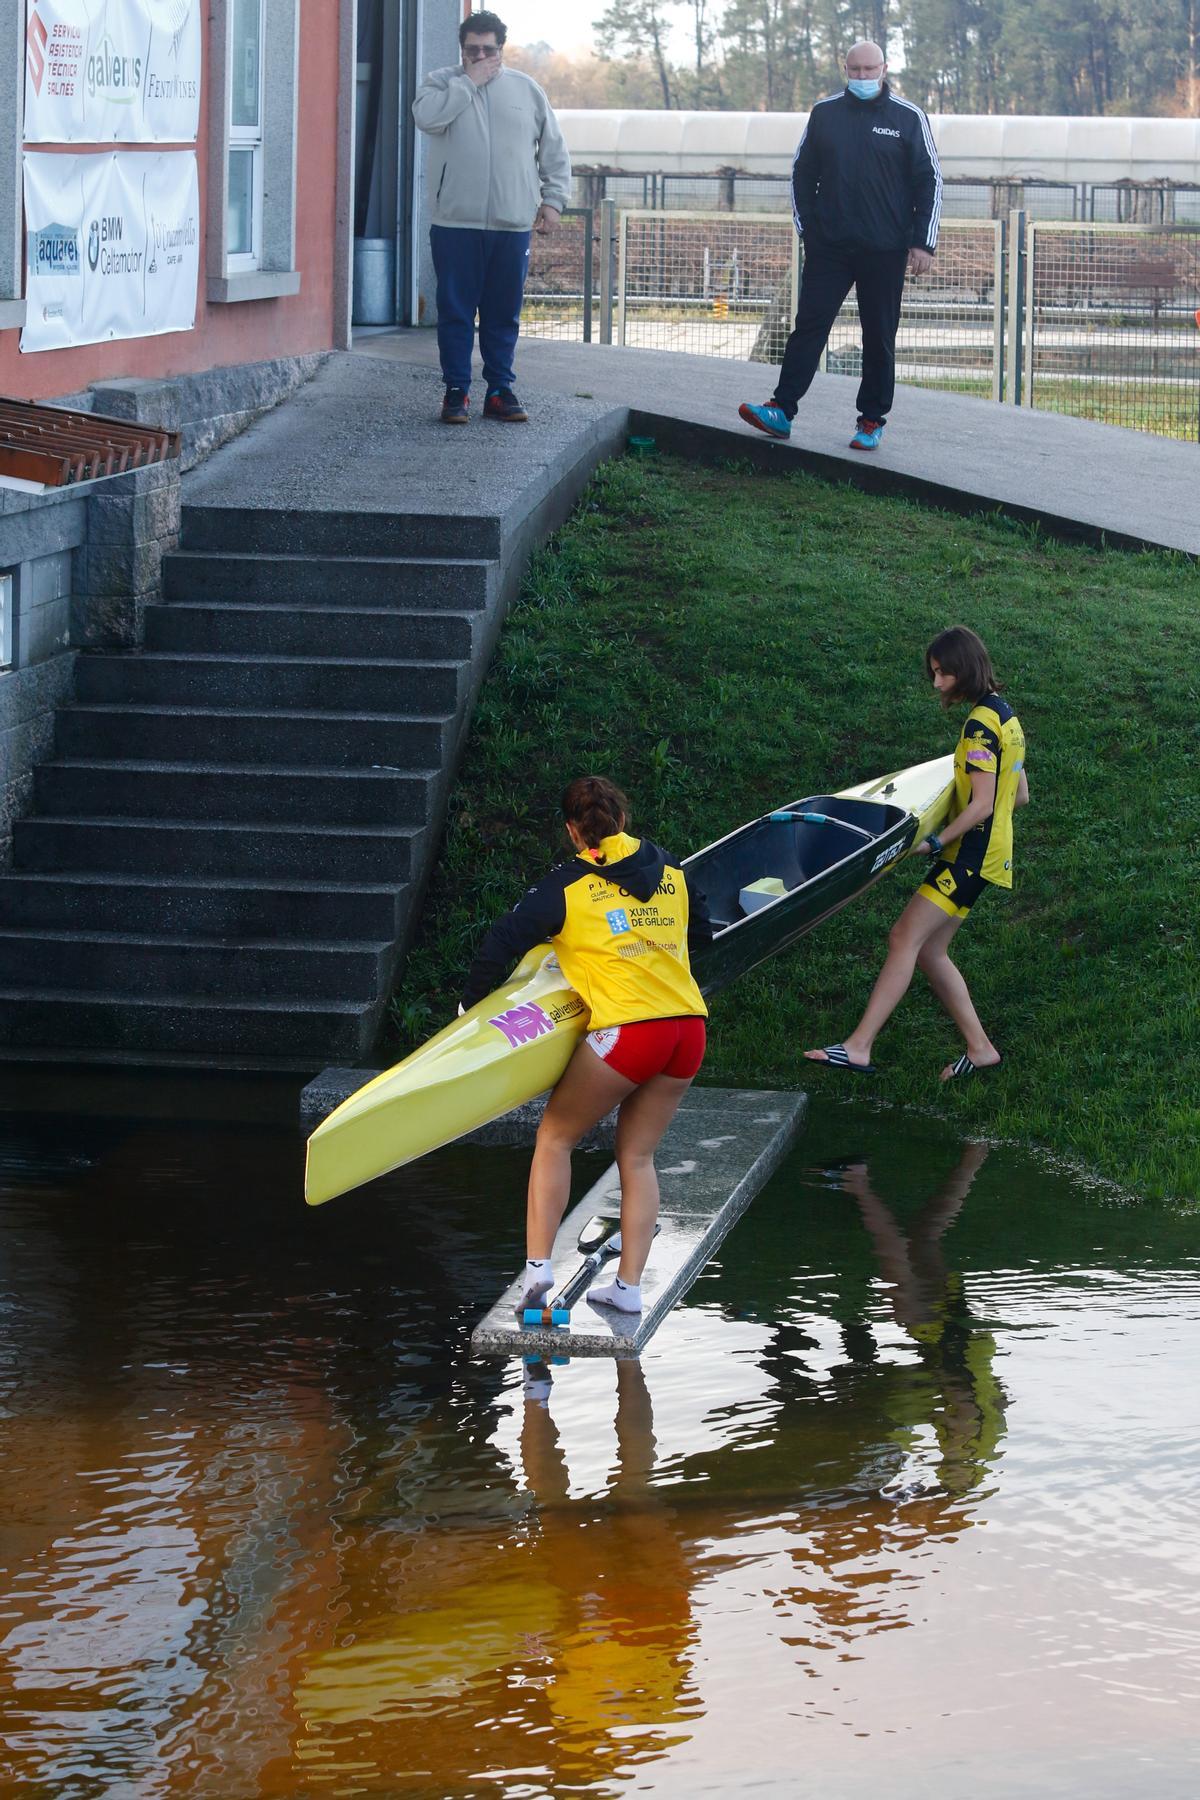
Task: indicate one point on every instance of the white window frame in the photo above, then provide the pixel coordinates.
(12, 115)
(8, 618)
(248, 138)
(269, 271)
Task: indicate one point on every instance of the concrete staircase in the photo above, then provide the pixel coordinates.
(224, 854)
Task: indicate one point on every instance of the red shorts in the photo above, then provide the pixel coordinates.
(652, 1047)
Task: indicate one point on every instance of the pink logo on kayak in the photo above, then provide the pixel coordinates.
(521, 1024)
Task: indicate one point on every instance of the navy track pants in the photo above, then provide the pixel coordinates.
(877, 277)
(478, 272)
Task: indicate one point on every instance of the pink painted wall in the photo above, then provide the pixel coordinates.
(249, 330)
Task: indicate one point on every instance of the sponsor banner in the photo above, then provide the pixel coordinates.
(113, 247)
(123, 71)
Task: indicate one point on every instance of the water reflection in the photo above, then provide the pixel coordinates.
(576, 1638)
(567, 1645)
(266, 1530)
(957, 1383)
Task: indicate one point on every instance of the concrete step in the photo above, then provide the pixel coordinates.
(232, 793)
(274, 580)
(445, 537)
(224, 629)
(33, 1019)
(66, 901)
(309, 683)
(256, 969)
(197, 734)
(185, 848)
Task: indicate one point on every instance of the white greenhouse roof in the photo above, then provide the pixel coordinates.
(1010, 147)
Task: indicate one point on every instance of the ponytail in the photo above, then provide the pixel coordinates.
(596, 807)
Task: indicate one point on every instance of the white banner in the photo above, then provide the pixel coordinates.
(122, 71)
(113, 246)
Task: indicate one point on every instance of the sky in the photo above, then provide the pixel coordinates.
(563, 24)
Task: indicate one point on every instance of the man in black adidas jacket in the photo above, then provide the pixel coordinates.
(867, 194)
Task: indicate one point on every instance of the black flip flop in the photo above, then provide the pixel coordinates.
(838, 1057)
(964, 1066)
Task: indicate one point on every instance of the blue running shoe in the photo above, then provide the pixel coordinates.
(769, 418)
(868, 435)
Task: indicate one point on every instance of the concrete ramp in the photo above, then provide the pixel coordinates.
(723, 1146)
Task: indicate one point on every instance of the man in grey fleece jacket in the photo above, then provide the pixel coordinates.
(499, 171)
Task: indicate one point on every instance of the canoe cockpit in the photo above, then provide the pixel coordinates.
(784, 851)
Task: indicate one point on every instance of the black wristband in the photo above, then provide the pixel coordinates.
(935, 843)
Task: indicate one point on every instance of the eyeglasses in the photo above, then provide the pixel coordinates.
(474, 53)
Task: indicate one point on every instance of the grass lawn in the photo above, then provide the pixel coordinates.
(721, 640)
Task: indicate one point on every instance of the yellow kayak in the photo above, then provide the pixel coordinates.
(812, 857)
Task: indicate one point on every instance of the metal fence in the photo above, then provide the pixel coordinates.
(951, 332)
(722, 284)
(1126, 202)
(560, 283)
(1099, 321)
(1111, 325)
(717, 284)
(1141, 203)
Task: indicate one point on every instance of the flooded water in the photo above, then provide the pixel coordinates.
(901, 1501)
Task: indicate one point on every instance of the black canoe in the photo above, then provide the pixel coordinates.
(823, 851)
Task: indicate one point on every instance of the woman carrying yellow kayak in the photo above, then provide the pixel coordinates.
(972, 852)
(621, 919)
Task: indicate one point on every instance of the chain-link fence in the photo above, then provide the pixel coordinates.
(560, 295)
(732, 191)
(951, 320)
(1098, 321)
(1111, 325)
(721, 284)
(1127, 202)
(717, 284)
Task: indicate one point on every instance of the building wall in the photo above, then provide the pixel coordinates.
(437, 48)
(247, 330)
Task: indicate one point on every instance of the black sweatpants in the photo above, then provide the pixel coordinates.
(877, 276)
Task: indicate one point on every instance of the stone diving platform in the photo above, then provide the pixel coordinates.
(722, 1147)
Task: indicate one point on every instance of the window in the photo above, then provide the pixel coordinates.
(251, 238)
(7, 619)
(243, 247)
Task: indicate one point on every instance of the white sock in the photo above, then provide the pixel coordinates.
(537, 1281)
(536, 1380)
(624, 1295)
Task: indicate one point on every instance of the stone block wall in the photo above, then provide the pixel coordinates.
(37, 551)
(132, 521)
(85, 562)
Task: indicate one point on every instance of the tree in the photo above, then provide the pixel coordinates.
(986, 56)
(640, 27)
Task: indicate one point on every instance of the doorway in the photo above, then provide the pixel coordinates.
(384, 164)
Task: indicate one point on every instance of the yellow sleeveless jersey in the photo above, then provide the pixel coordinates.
(620, 919)
(992, 743)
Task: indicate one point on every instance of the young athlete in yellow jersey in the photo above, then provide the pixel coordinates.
(973, 851)
(621, 919)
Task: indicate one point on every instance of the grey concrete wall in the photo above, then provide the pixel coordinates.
(12, 104)
(37, 547)
(87, 561)
(28, 700)
(437, 45)
(208, 408)
(132, 521)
